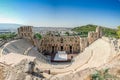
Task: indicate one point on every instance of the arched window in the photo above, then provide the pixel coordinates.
(61, 40)
(70, 49)
(61, 48)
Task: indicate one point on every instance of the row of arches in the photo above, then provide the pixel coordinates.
(62, 49)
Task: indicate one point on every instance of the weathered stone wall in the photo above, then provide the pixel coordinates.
(25, 32)
(70, 44)
(83, 43)
(92, 36)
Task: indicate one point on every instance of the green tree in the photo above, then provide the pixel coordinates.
(103, 74)
(67, 33)
(118, 31)
(12, 35)
(38, 36)
(4, 37)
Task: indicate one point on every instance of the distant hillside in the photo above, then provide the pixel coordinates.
(83, 30)
(9, 26)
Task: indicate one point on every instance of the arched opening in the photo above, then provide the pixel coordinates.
(61, 48)
(70, 49)
(61, 40)
(52, 49)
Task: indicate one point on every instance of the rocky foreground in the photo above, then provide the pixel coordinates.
(112, 73)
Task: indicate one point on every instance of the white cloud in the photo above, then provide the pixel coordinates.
(8, 20)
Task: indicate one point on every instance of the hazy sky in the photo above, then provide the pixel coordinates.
(59, 13)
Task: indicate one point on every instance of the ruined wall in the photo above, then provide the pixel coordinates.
(52, 44)
(83, 43)
(92, 36)
(25, 32)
